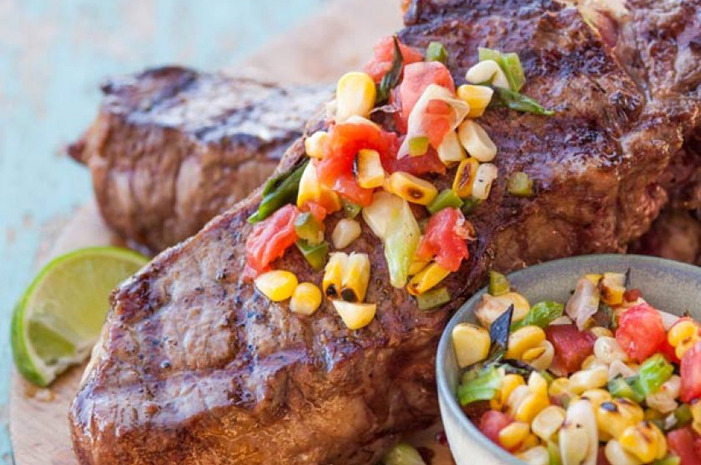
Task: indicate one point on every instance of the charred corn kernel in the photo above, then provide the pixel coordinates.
(476, 141)
(612, 287)
(600, 331)
(597, 397)
(559, 386)
(306, 299)
(538, 384)
(478, 97)
(664, 400)
(682, 336)
(615, 416)
(491, 307)
(616, 455)
(356, 276)
(585, 380)
(371, 174)
(486, 174)
(536, 455)
(531, 406)
(645, 441)
(696, 415)
(533, 353)
(487, 71)
(548, 422)
(545, 359)
(508, 384)
(523, 339)
(333, 275)
(607, 349)
(276, 285)
(417, 265)
(470, 343)
(346, 231)
(355, 95)
(315, 144)
(427, 279)
(411, 188)
(311, 190)
(578, 436)
(514, 434)
(465, 177)
(355, 315)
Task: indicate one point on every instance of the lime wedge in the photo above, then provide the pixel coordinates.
(58, 319)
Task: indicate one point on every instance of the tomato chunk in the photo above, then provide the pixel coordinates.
(445, 239)
(690, 370)
(492, 422)
(681, 443)
(424, 164)
(571, 345)
(384, 55)
(417, 77)
(271, 237)
(641, 332)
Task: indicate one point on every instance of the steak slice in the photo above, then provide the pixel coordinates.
(195, 366)
(171, 147)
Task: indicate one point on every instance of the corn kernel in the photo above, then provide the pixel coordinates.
(645, 441)
(508, 384)
(516, 398)
(371, 174)
(548, 422)
(545, 359)
(450, 150)
(306, 299)
(346, 231)
(486, 174)
(531, 406)
(578, 437)
(277, 285)
(465, 177)
(355, 95)
(616, 455)
(612, 287)
(417, 265)
(514, 434)
(683, 336)
(600, 331)
(588, 379)
(478, 97)
(597, 397)
(356, 276)
(471, 344)
(594, 278)
(537, 384)
(427, 278)
(490, 308)
(664, 399)
(476, 141)
(607, 349)
(523, 339)
(537, 455)
(487, 71)
(333, 275)
(559, 386)
(533, 353)
(355, 315)
(311, 190)
(411, 188)
(315, 144)
(696, 415)
(530, 442)
(615, 416)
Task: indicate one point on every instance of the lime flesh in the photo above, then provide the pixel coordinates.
(58, 319)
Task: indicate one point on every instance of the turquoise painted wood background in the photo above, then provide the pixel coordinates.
(53, 54)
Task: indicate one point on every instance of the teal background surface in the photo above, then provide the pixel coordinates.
(53, 55)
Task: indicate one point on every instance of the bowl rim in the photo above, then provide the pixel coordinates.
(445, 394)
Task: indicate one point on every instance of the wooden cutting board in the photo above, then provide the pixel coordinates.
(337, 39)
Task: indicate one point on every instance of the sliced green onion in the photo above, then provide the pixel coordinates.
(498, 283)
(278, 192)
(541, 314)
(518, 102)
(436, 52)
(445, 199)
(469, 205)
(391, 79)
(418, 146)
(520, 184)
(654, 372)
(619, 387)
(553, 454)
(484, 54)
(509, 63)
(403, 454)
(309, 228)
(482, 387)
(315, 254)
(670, 459)
(549, 378)
(433, 298)
(351, 209)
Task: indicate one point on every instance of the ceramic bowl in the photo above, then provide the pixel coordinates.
(670, 286)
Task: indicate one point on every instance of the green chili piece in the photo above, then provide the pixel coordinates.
(511, 64)
(520, 184)
(436, 52)
(654, 372)
(482, 387)
(541, 314)
(619, 387)
(498, 283)
(445, 199)
(518, 102)
(351, 209)
(683, 415)
(278, 192)
(469, 205)
(309, 228)
(315, 254)
(433, 298)
(418, 146)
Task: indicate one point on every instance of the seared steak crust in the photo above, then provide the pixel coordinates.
(195, 366)
(171, 147)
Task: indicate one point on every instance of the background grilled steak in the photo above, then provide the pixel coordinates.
(171, 148)
(194, 366)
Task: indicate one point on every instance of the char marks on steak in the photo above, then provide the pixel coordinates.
(195, 366)
(171, 147)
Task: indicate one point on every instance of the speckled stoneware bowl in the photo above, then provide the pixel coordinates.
(670, 286)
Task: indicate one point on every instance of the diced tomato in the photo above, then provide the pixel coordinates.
(271, 237)
(571, 345)
(417, 77)
(424, 164)
(640, 332)
(335, 170)
(668, 351)
(690, 371)
(384, 55)
(436, 123)
(681, 443)
(315, 209)
(445, 239)
(492, 422)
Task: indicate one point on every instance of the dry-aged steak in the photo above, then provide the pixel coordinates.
(171, 147)
(195, 366)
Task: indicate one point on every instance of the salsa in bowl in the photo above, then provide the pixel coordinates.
(589, 360)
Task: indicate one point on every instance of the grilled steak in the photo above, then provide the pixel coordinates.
(195, 366)
(171, 147)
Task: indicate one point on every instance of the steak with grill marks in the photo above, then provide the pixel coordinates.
(195, 366)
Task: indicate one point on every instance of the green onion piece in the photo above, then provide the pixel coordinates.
(553, 454)
(511, 64)
(541, 314)
(520, 184)
(619, 387)
(403, 454)
(391, 79)
(445, 199)
(418, 146)
(315, 254)
(498, 283)
(309, 228)
(436, 52)
(469, 205)
(485, 54)
(518, 102)
(482, 387)
(683, 415)
(670, 459)
(351, 209)
(652, 375)
(549, 377)
(433, 298)
(278, 192)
